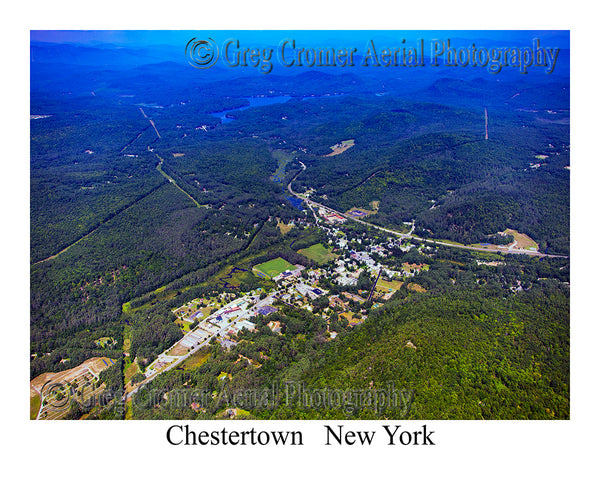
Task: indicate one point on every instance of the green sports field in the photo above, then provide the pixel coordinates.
(318, 253)
(274, 267)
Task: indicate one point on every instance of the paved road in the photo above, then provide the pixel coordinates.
(245, 315)
(312, 203)
(176, 362)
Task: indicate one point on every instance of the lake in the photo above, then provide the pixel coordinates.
(262, 101)
(254, 102)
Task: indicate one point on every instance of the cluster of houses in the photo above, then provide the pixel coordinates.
(221, 323)
(298, 287)
(298, 290)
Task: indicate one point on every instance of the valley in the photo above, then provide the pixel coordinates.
(221, 232)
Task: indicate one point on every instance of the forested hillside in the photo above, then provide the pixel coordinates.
(465, 349)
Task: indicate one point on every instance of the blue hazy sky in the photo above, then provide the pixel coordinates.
(140, 38)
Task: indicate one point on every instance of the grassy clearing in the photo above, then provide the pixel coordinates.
(384, 285)
(178, 350)
(130, 371)
(128, 410)
(318, 253)
(159, 295)
(340, 147)
(451, 242)
(284, 227)
(415, 287)
(183, 326)
(241, 277)
(523, 241)
(492, 256)
(237, 276)
(195, 360)
(274, 267)
(358, 212)
(126, 338)
(351, 319)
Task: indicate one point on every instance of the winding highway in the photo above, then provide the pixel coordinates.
(312, 203)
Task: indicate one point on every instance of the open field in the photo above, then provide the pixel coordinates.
(359, 212)
(350, 317)
(232, 277)
(183, 325)
(195, 360)
(318, 253)
(415, 287)
(159, 295)
(451, 242)
(341, 147)
(284, 227)
(272, 268)
(385, 286)
(523, 241)
(130, 371)
(178, 350)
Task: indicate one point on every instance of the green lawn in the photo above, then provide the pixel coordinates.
(130, 370)
(385, 285)
(318, 253)
(274, 267)
(196, 359)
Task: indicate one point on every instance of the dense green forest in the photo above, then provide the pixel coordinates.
(457, 186)
(468, 348)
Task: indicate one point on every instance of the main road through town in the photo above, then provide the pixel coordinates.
(180, 359)
(312, 203)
